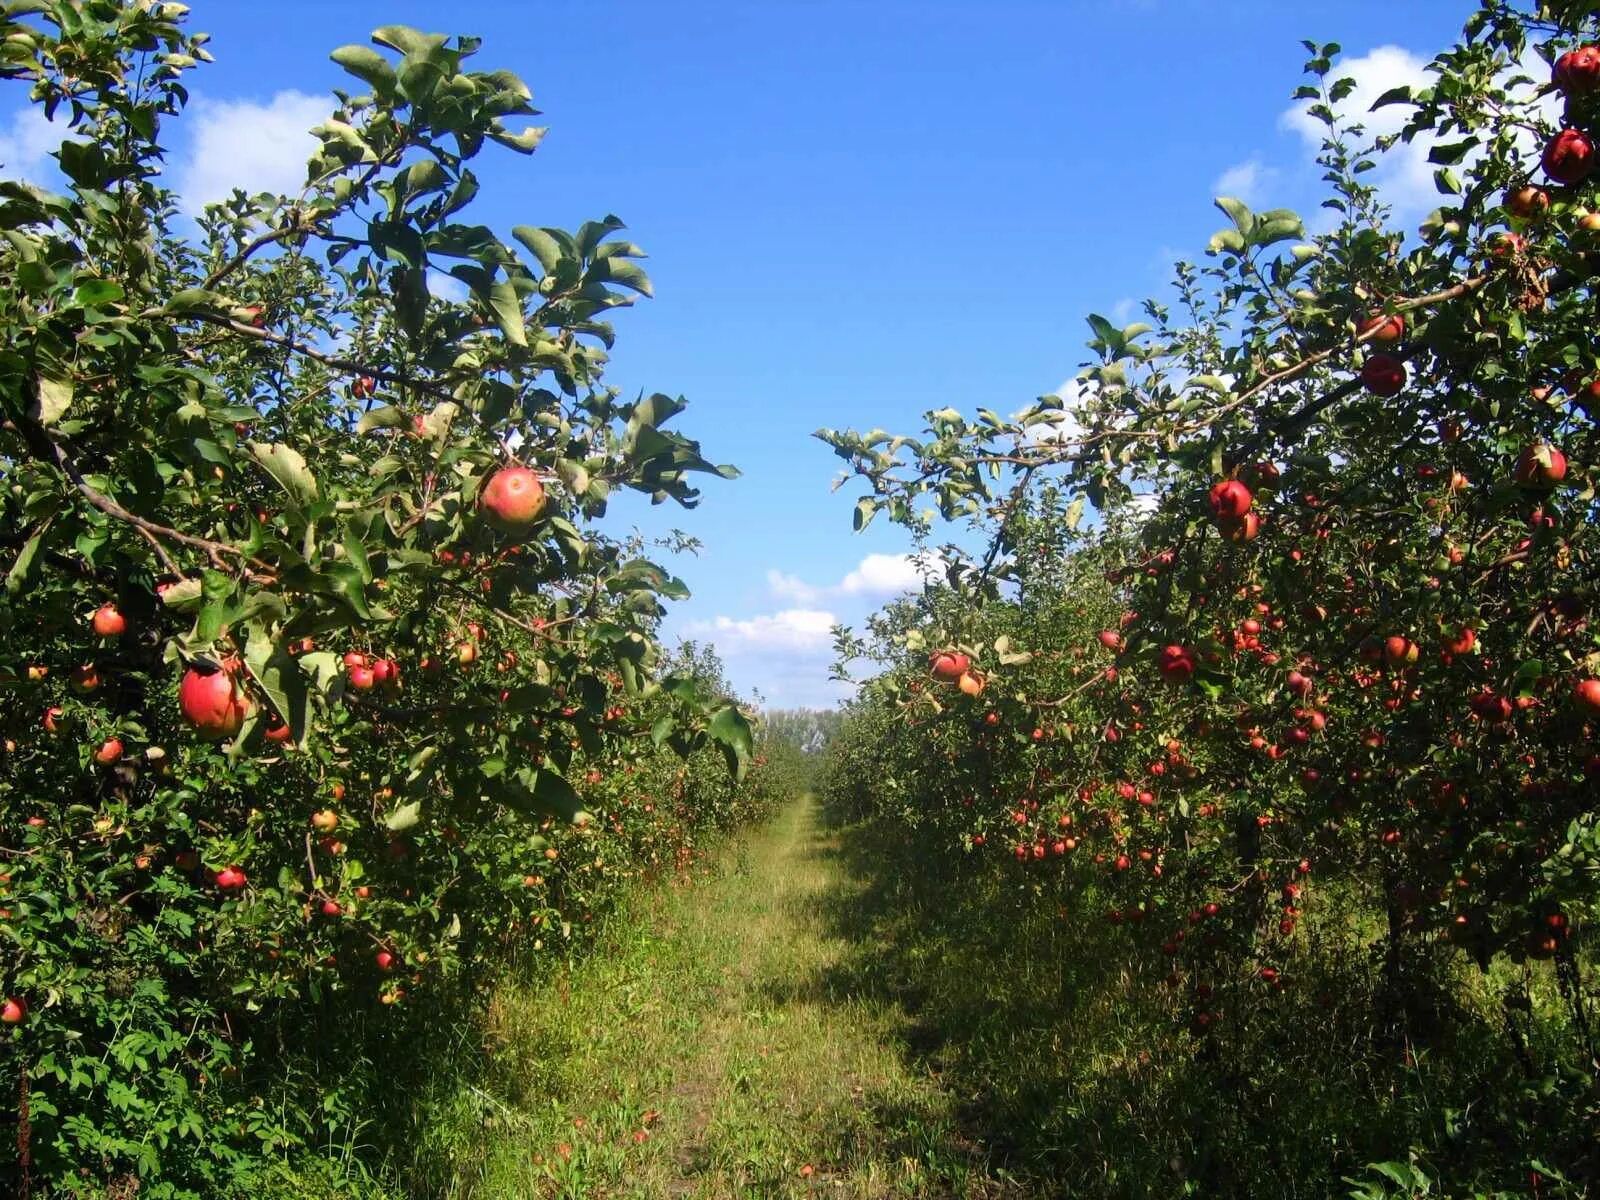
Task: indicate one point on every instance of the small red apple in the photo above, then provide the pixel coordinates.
(1383, 375)
(1540, 466)
(1230, 500)
(109, 751)
(108, 622)
(231, 879)
(1569, 156)
(1528, 202)
(1586, 695)
(948, 664)
(1577, 72)
(14, 1011)
(1176, 664)
(1386, 328)
(512, 500)
(212, 703)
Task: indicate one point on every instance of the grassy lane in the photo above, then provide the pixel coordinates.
(714, 1046)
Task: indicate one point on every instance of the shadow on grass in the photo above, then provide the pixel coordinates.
(1072, 1071)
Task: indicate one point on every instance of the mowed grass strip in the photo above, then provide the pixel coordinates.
(710, 1047)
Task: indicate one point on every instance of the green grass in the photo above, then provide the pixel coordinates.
(703, 1051)
(908, 1026)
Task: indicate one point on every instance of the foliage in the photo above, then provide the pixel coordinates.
(231, 459)
(1344, 668)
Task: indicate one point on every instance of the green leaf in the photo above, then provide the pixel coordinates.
(730, 728)
(288, 467)
(385, 416)
(55, 397)
(503, 300)
(367, 65)
(22, 570)
(1238, 212)
(403, 818)
(541, 244)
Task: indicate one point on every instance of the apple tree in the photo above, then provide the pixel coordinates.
(321, 680)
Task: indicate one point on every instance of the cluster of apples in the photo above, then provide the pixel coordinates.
(952, 666)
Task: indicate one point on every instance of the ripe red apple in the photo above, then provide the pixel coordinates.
(948, 664)
(1110, 639)
(1586, 695)
(85, 678)
(512, 500)
(1577, 72)
(54, 719)
(1540, 466)
(1383, 375)
(1399, 651)
(231, 879)
(1462, 641)
(1569, 156)
(1176, 664)
(1389, 328)
(108, 622)
(110, 750)
(360, 678)
(330, 908)
(277, 730)
(386, 673)
(1230, 500)
(385, 960)
(970, 684)
(1528, 202)
(14, 1011)
(213, 703)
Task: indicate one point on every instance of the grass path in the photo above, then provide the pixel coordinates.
(713, 1047)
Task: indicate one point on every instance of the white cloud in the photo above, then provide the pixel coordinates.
(243, 144)
(1066, 427)
(1403, 173)
(1245, 181)
(876, 575)
(794, 629)
(25, 147)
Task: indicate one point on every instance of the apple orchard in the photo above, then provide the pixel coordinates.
(1325, 657)
(327, 691)
(322, 686)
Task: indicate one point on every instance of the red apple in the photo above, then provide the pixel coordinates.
(1383, 375)
(1176, 664)
(1389, 328)
(1569, 156)
(948, 664)
(108, 622)
(84, 679)
(14, 1011)
(212, 702)
(110, 750)
(325, 820)
(1528, 202)
(1586, 695)
(1540, 466)
(1577, 72)
(231, 879)
(1230, 500)
(512, 500)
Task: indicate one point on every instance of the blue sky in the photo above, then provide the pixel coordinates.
(855, 212)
